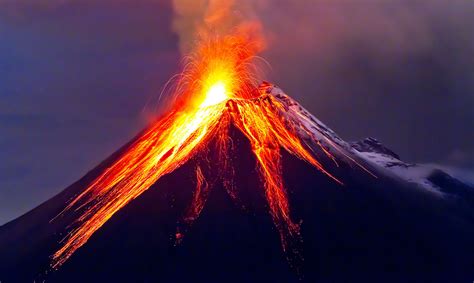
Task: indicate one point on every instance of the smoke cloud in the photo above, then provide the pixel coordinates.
(195, 19)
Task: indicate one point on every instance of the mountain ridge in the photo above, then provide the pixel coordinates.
(330, 213)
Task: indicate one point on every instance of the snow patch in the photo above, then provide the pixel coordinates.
(370, 150)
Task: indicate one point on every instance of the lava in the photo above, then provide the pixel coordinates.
(217, 89)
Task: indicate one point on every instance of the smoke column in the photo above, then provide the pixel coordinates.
(197, 19)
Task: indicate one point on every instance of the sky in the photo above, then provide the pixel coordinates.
(75, 77)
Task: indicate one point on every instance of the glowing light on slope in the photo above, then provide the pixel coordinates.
(216, 90)
(219, 67)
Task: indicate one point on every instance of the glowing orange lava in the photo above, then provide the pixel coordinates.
(216, 90)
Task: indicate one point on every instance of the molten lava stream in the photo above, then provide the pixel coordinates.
(162, 149)
(218, 92)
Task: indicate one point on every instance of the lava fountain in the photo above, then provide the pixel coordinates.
(217, 89)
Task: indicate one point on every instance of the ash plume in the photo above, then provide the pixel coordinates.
(197, 18)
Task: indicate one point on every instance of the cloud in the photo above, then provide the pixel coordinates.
(193, 18)
(400, 71)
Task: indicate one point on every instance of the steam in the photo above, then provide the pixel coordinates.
(195, 19)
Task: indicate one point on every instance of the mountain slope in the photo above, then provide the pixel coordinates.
(376, 227)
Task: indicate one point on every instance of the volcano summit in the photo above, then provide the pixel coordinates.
(239, 183)
(200, 211)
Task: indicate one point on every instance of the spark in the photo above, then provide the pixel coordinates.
(216, 89)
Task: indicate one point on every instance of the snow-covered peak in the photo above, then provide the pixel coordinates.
(370, 150)
(373, 145)
(305, 116)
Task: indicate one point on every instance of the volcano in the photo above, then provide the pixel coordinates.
(340, 211)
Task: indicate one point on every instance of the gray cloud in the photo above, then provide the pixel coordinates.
(401, 71)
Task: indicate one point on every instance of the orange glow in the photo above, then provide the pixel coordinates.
(197, 203)
(217, 93)
(216, 90)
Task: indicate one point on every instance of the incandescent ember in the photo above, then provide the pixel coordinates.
(217, 89)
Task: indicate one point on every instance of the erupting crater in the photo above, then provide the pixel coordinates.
(216, 90)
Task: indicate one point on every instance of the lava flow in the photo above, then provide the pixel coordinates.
(216, 89)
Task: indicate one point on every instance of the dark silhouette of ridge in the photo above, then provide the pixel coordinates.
(369, 230)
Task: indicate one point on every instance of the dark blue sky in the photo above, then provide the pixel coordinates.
(75, 76)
